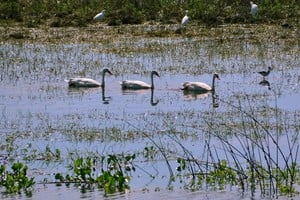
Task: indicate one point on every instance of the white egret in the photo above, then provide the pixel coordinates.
(253, 9)
(100, 15)
(185, 19)
(87, 82)
(136, 84)
(199, 86)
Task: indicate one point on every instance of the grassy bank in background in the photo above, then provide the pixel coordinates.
(56, 13)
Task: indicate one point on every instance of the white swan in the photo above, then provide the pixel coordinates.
(136, 85)
(87, 82)
(199, 86)
(253, 9)
(100, 15)
(185, 19)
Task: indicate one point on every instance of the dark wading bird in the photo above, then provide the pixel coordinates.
(87, 82)
(265, 73)
(137, 85)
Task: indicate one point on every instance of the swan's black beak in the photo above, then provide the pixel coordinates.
(109, 72)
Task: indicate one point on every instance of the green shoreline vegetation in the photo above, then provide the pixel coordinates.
(56, 13)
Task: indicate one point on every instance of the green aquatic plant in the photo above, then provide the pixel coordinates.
(285, 178)
(113, 179)
(111, 176)
(220, 175)
(16, 181)
(150, 152)
(30, 154)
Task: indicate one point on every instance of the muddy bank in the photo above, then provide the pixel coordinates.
(101, 33)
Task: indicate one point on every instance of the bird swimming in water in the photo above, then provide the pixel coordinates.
(199, 86)
(136, 84)
(88, 82)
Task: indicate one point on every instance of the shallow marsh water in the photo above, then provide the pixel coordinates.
(37, 108)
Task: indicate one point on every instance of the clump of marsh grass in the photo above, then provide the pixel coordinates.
(260, 155)
(246, 148)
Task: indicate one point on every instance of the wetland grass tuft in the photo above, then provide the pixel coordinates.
(270, 157)
(248, 149)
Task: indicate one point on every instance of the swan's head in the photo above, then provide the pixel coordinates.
(251, 2)
(216, 76)
(155, 73)
(106, 71)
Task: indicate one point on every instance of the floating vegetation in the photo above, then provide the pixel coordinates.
(16, 181)
(112, 176)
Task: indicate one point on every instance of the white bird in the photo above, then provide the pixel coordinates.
(100, 16)
(87, 82)
(253, 9)
(199, 86)
(136, 84)
(185, 19)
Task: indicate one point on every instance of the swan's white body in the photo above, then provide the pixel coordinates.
(253, 9)
(185, 19)
(83, 82)
(136, 84)
(199, 86)
(88, 82)
(100, 16)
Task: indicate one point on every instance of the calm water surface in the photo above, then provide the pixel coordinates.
(40, 110)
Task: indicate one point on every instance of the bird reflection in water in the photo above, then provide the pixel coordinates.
(215, 100)
(82, 91)
(152, 102)
(190, 95)
(141, 91)
(105, 99)
(265, 83)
